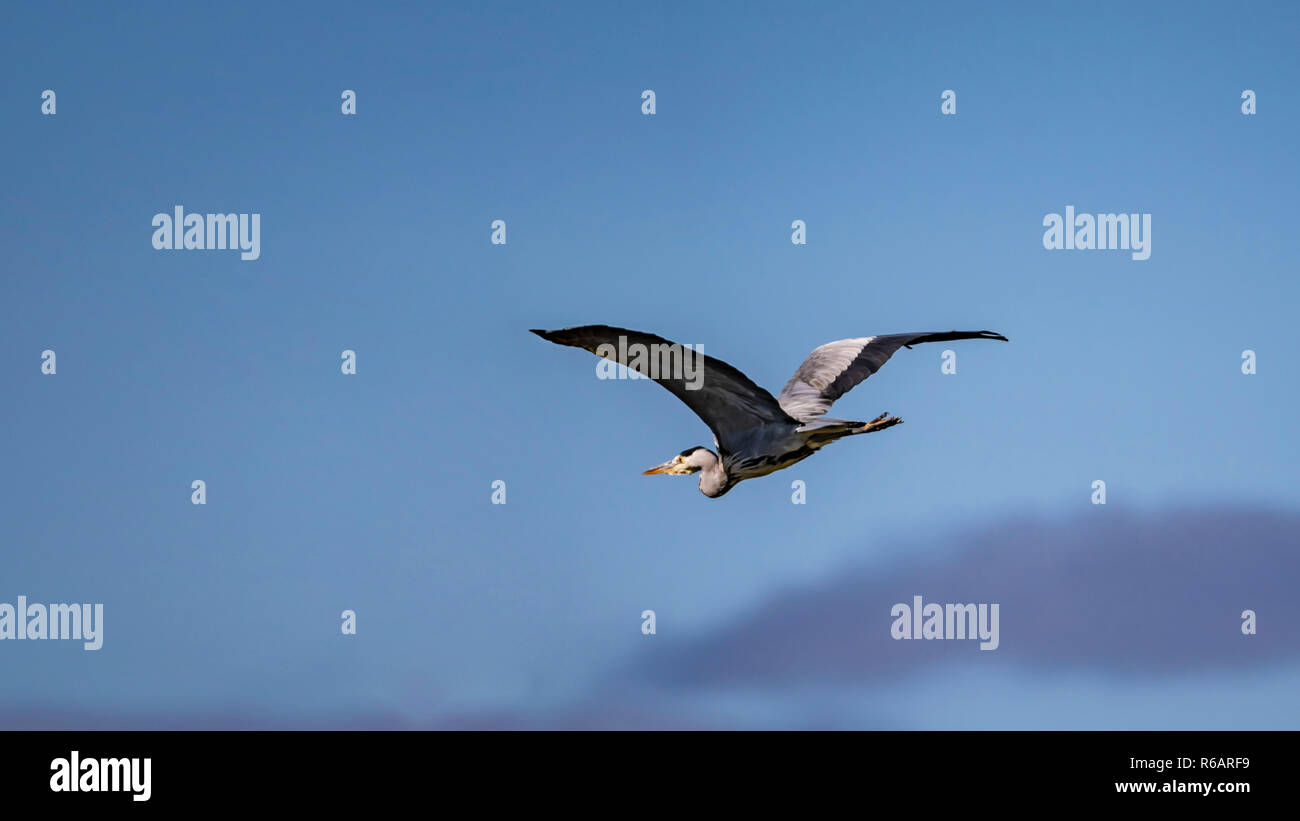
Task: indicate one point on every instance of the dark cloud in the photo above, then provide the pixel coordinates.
(1109, 591)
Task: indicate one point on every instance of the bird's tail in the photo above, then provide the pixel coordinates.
(824, 425)
(824, 431)
(820, 432)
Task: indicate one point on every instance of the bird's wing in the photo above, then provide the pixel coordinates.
(727, 400)
(835, 368)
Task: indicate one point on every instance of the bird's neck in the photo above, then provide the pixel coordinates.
(713, 479)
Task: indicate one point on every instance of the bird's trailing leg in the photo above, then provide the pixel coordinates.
(881, 422)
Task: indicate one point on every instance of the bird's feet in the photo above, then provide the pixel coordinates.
(881, 422)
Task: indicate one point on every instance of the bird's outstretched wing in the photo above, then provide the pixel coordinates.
(727, 400)
(835, 368)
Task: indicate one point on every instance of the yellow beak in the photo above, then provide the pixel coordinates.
(661, 469)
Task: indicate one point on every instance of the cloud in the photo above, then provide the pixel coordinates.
(1110, 591)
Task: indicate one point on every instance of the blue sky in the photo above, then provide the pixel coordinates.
(372, 492)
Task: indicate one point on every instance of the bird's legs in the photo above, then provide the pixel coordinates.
(881, 422)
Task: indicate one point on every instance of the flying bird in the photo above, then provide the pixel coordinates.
(755, 433)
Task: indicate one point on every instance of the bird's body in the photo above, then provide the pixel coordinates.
(770, 448)
(755, 433)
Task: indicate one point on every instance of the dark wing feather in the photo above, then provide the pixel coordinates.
(727, 400)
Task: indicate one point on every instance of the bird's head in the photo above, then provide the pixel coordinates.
(691, 460)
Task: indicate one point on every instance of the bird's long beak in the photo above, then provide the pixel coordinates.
(660, 469)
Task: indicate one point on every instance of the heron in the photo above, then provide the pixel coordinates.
(754, 432)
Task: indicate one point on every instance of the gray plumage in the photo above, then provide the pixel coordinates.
(835, 368)
(756, 433)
